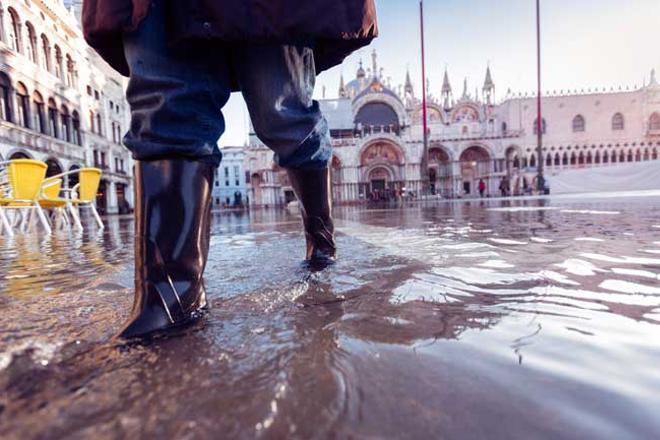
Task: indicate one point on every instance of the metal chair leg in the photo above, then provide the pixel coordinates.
(97, 216)
(76, 216)
(43, 219)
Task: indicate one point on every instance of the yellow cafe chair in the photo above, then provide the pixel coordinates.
(24, 178)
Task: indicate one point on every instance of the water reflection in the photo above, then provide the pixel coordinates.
(446, 319)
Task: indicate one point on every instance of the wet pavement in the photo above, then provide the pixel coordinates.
(494, 319)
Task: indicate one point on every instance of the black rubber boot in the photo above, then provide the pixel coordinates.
(172, 228)
(313, 189)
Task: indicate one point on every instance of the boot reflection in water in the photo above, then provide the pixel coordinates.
(178, 85)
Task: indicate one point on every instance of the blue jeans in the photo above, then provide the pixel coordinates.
(176, 97)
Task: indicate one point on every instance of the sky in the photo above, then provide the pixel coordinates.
(585, 44)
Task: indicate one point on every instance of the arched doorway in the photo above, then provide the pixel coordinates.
(475, 166)
(440, 171)
(379, 183)
(101, 197)
(54, 167)
(256, 182)
(74, 178)
(19, 155)
(381, 163)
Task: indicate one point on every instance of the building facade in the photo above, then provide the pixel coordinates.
(378, 139)
(230, 188)
(59, 101)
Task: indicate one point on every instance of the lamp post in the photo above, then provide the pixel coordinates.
(425, 154)
(539, 119)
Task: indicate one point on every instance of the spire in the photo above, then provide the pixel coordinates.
(465, 89)
(446, 91)
(488, 83)
(343, 93)
(360, 72)
(374, 63)
(654, 81)
(446, 86)
(408, 90)
(489, 87)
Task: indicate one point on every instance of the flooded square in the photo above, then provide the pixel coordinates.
(527, 318)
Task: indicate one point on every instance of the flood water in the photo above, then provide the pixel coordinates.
(499, 319)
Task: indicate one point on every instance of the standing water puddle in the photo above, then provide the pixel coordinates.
(525, 319)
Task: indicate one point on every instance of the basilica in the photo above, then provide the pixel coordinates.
(473, 140)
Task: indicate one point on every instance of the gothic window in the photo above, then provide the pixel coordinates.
(23, 105)
(66, 124)
(557, 160)
(5, 98)
(58, 62)
(39, 123)
(548, 160)
(99, 127)
(52, 118)
(45, 53)
(31, 42)
(15, 31)
(70, 69)
(578, 124)
(654, 121)
(75, 119)
(617, 122)
(536, 126)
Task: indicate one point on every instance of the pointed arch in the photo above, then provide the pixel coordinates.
(15, 38)
(6, 93)
(23, 105)
(31, 46)
(39, 116)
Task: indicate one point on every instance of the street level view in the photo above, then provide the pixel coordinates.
(329, 219)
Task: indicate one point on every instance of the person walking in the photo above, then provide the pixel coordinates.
(504, 187)
(482, 187)
(183, 59)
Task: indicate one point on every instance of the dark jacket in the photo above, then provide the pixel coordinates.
(336, 27)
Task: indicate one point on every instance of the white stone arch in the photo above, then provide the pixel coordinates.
(14, 151)
(417, 111)
(440, 146)
(393, 174)
(485, 146)
(461, 108)
(384, 98)
(368, 141)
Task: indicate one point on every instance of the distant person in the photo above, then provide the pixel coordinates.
(504, 187)
(482, 187)
(183, 59)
